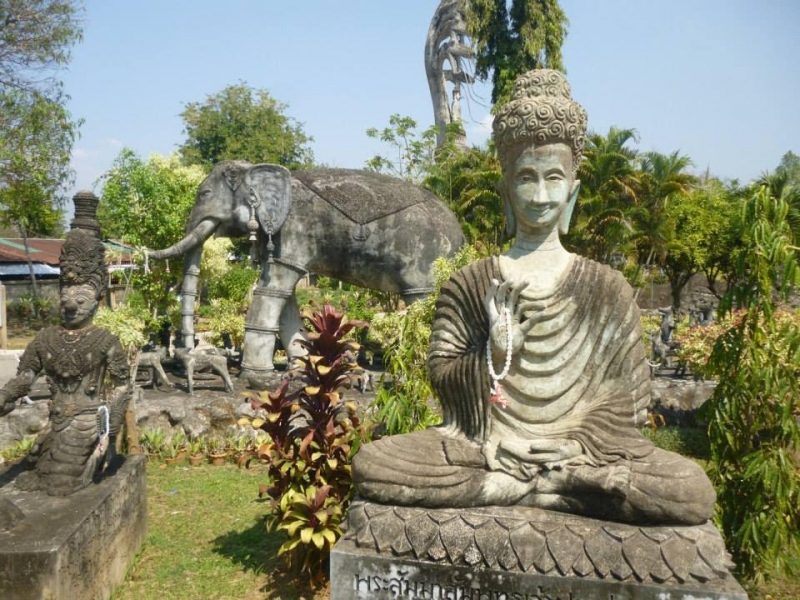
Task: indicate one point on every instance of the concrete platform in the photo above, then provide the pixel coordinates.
(523, 553)
(361, 574)
(78, 547)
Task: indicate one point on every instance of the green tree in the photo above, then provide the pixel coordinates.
(510, 40)
(36, 137)
(790, 166)
(785, 183)
(752, 415)
(722, 243)
(36, 130)
(468, 180)
(603, 223)
(242, 123)
(36, 38)
(147, 204)
(412, 151)
(661, 177)
(696, 222)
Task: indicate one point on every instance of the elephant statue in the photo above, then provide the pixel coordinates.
(360, 227)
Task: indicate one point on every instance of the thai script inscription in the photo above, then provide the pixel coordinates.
(400, 587)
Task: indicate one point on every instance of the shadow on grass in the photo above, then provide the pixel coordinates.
(256, 549)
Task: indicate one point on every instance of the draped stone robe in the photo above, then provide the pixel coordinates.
(580, 376)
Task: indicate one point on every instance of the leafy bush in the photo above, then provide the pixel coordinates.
(688, 441)
(233, 285)
(226, 318)
(23, 308)
(33, 310)
(696, 343)
(128, 323)
(405, 339)
(19, 449)
(313, 435)
(753, 413)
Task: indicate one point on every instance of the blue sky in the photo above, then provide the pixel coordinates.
(715, 79)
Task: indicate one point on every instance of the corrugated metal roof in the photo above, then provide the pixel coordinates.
(47, 251)
(42, 250)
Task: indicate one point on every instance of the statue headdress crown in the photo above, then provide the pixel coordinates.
(541, 111)
(82, 259)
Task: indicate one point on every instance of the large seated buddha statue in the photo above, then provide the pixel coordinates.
(537, 359)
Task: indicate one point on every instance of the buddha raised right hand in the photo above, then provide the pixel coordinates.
(504, 299)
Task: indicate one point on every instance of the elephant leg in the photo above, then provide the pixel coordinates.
(263, 318)
(191, 273)
(291, 329)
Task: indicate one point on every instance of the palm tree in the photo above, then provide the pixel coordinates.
(468, 181)
(662, 176)
(782, 185)
(603, 223)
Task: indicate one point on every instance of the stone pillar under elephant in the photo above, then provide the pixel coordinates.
(79, 546)
(524, 553)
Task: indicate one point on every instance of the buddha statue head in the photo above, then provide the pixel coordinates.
(82, 261)
(540, 135)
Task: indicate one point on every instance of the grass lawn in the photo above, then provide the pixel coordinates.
(206, 539)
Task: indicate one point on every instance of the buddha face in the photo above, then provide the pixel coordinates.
(78, 305)
(541, 188)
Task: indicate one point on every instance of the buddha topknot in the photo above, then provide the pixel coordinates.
(542, 111)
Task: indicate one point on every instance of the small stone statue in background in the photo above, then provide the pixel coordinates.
(86, 368)
(537, 359)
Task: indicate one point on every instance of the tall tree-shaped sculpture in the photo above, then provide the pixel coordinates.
(448, 53)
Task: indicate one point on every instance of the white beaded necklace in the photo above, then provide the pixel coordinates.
(496, 389)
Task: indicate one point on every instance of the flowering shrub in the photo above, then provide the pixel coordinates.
(696, 343)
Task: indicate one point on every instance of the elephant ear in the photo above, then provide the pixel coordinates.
(269, 192)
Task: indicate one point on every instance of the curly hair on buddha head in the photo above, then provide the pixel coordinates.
(541, 111)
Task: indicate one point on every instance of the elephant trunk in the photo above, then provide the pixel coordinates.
(192, 240)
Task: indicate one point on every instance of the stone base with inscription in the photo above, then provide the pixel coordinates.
(79, 546)
(516, 553)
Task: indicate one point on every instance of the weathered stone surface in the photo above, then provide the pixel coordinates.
(358, 573)
(531, 540)
(197, 415)
(26, 420)
(79, 546)
(536, 357)
(85, 366)
(10, 514)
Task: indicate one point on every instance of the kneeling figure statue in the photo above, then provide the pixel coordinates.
(86, 368)
(537, 359)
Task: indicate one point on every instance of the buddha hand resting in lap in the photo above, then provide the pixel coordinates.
(536, 357)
